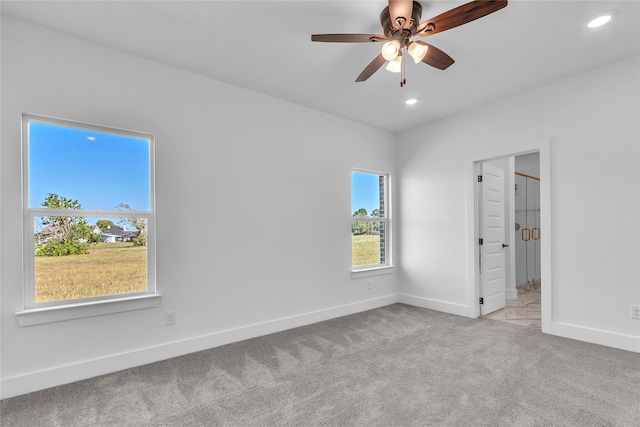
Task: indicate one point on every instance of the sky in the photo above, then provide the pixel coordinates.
(365, 191)
(99, 170)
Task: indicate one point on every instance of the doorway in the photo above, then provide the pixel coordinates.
(527, 278)
(522, 302)
(527, 219)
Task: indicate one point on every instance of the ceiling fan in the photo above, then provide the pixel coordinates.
(401, 21)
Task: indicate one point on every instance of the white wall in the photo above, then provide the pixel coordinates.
(253, 208)
(592, 121)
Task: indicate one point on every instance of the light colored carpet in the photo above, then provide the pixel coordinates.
(393, 366)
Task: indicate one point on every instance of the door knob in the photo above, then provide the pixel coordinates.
(505, 246)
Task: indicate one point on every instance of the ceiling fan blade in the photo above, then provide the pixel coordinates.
(400, 9)
(347, 38)
(371, 68)
(437, 58)
(459, 16)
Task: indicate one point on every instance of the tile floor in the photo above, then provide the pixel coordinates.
(525, 310)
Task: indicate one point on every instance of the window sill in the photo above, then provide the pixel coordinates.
(37, 316)
(373, 271)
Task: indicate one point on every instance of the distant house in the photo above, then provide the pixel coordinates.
(47, 234)
(55, 233)
(114, 234)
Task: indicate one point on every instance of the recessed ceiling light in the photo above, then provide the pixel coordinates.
(91, 138)
(411, 101)
(600, 20)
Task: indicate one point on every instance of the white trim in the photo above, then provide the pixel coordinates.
(84, 125)
(511, 292)
(388, 226)
(433, 304)
(369, 219)
(545, 243)
(111, 213)
(596, 336)
(542, 146)
(30, 382)
(58, 313)
(373, 271)
(72, 307)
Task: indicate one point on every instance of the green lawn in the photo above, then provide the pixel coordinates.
(365, 250)
(110, 268)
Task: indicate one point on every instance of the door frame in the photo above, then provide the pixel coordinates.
(542, 146)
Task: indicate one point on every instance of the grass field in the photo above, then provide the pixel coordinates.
(365, 250)
(110, 268)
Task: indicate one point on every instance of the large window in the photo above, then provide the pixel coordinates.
(89, 213)
(369, 220)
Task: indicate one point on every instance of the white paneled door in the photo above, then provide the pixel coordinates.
(492, 233)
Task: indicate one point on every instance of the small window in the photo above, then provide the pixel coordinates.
(89, 210)
(369, 220)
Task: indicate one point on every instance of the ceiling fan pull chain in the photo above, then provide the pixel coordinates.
(403, 69)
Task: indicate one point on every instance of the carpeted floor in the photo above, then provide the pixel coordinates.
(393, 366)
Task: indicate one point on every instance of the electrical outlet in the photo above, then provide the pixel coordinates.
(370, 284)
(170, 318)
(635, 311)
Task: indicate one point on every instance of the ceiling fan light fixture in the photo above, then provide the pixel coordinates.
(395, 65)
(391, 50)
(599, 21)
(418, 50)
(400, 21)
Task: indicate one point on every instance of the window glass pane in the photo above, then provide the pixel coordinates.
(81, 257)
(98, 170)
(368, 238)
(367, 194)
(368, 241)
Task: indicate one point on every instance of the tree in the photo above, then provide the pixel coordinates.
(104, 224)
(375, 226)
(63, 235)
(360, 212)
(360, 227)
(138, 224)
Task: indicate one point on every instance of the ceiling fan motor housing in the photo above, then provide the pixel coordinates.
(388, 28)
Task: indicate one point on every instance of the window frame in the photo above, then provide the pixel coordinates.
(387, 267)
(36, 312)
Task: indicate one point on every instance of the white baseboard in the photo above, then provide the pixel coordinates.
(511, 293)
(34, 381)
(444, 306)
(565, 330)
(596, 336)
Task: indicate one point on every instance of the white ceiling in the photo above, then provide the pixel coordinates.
(266, 46)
